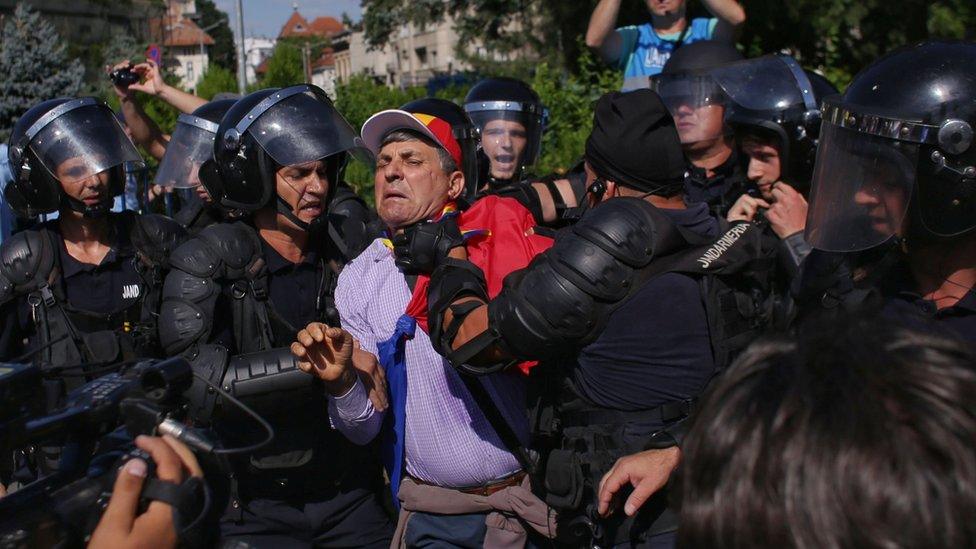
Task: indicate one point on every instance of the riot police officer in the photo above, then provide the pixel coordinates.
(82, 290)
(236, 294)
(511, 120)
(893, 182)
(189, 147)
(700, 107)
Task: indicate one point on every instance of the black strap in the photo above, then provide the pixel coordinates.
(498, 421)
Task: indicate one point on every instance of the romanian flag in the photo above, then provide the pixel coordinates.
(499, 239)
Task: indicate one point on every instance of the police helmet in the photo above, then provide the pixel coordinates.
(191, 145)
(686, 86)
(63, 141)
(774, 97)
(463, 129)
(506, 99)
(893, 145)
(272, 128)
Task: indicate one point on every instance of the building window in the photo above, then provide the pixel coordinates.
(189, 71)
(422, 56)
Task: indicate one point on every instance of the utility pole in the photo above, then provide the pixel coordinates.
(241, 61)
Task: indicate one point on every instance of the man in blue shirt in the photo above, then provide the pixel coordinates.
(642, 50)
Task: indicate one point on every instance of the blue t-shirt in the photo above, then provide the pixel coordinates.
(643, 52)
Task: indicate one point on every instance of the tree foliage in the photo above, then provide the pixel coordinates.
(34, 66)
(223, 52)
(216, 79)
(284, 67)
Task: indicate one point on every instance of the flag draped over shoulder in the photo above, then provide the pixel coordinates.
(496, 241)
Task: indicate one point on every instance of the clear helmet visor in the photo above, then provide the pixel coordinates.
(189, 147)
(766, 84)
(303, 128)
(510, 139)
(83, 142)
(696, 103)
(860, 190)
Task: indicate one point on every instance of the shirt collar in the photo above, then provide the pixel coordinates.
(276, 262)
(70, 266)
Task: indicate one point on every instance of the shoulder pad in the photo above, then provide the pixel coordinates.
(26, 262)
(156, 236)
(220, 250)
(631, 230)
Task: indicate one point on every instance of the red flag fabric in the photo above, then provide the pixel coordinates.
(498, 244)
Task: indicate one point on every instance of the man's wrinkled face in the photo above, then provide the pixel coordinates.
(504, 143)
(411, 185)
(78, 182)
(665, 7)
(764, 165)
(303, 187)
(698, 123)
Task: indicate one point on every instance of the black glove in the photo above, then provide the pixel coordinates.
(421, 247)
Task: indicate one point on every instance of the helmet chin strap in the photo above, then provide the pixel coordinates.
(285, 209)
(92, 212)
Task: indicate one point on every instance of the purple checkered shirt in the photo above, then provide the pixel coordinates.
(448, 440)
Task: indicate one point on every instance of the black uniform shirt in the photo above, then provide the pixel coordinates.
(293, 288)
(721, 190)
(910, 309)
(109, 287)
(655, 347)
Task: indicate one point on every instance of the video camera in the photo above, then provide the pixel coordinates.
(63, 508)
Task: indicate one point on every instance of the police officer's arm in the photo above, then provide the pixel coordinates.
(144, 131)
(647, 472)
(731, 16)
(601, 33)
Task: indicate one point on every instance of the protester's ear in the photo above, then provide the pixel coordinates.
(455, 184)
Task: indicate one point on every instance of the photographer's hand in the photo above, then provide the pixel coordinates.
(120, 527)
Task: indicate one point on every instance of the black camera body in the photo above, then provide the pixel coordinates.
(124, 77)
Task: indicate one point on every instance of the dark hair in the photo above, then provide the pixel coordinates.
(857, 434)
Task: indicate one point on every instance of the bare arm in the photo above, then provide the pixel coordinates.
(144, 131)
(601, 34)
(731, 17)
(154, 85)
(546, 198)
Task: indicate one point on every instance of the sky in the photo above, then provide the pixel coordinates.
(265, 17)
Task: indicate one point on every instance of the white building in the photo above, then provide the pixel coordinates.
(185, 45)
(257, 50)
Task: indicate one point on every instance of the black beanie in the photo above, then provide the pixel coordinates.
(634, 143)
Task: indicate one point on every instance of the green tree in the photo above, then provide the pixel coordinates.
(216, 79)
(224, 51)
(284, 67)
(34, 66)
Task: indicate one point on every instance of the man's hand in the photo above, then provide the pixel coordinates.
(326, 353)
(746, 208)
(152, 77)
(647, 471)
(372, 376)
(120, 527)
(788, 213)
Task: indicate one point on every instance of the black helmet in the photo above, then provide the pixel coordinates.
(774, 97)
(191, 145)
(272, 128)
(901, 134)
(464, 131)
(501, 99)
(686, 82)
(66, 140)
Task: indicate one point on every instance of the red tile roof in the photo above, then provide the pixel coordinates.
(179, 32)
(327, 59)
(299, 26)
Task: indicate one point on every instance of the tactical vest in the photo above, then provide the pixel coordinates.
(69, 337)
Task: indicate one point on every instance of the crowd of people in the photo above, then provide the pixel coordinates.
(745, 318)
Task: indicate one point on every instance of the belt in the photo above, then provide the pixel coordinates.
(493, 487)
